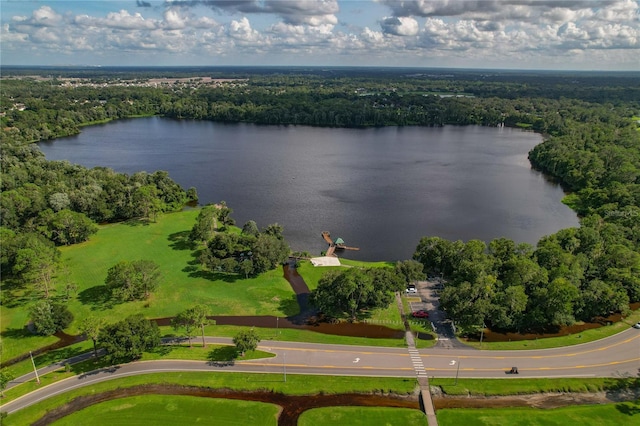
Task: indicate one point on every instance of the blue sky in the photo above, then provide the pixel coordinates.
(513, 34)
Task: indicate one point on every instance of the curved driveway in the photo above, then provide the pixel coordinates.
(615, 356)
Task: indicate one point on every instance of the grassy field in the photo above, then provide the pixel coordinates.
(174, 410)
(295, 385)
(626, 413)
(183, 283)
(364, 416)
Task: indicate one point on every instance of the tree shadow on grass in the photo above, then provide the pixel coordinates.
(211, 276)
(222, 356)
(98, 297)
(629, 408)
(289, 307)
(137, 222)
(180, 241)
(59, 354)
(162, 350)
(17, 333)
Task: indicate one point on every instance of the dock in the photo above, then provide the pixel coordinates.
(338, 244)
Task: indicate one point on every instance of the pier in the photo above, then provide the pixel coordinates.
(338, 244)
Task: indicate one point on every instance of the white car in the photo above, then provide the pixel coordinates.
(636, 325)
(411, 289)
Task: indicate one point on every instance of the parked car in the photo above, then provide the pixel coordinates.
(411, 289)
(636, 325)
(420, 314)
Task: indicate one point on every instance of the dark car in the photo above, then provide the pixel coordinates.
(420, 314)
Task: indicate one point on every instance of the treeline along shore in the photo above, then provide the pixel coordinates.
(592, 146)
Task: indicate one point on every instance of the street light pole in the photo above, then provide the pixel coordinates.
(482, 333)
(277, 326)
(35, 370)
(457, 371)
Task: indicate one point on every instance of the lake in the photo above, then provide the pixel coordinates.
(379, 189)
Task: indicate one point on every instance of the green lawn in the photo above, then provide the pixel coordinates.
(365, 416)
(183, 283)
(174, 410)
(626, 413)
(295, 385)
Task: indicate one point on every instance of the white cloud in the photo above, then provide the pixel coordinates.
(46, 17)
(401, 26)
(241, 31)
(515, 33)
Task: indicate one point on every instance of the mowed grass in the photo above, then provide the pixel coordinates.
(295, 385)
(183, 284)
(173, 410)
(364, 416)
(625, 413)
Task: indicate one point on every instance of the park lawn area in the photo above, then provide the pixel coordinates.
(174, 410)
(365, 416)
(624, 413)
(295, 385)
(183, 283)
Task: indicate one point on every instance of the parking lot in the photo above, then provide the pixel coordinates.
(427, 297)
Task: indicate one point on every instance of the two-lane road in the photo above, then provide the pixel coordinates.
(616, 356)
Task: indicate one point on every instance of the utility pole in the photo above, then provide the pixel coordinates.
(482, 333)
(457, 371)
(35, 370)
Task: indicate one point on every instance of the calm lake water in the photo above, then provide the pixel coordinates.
(379, 189)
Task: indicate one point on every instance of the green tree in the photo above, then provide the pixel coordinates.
(224, 214)
(206, 224)
(68, 227)
(347, 293)
(5, 378)
(191, 319)
(49, 317)
(133, 280)
(268, 252)
(34, 260)
(91, 327)
(147, 201)
(246, 340)
(127, 339)
(410, 270)
(246, 267)
(250, 228)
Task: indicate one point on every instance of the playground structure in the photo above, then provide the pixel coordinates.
(338, 244)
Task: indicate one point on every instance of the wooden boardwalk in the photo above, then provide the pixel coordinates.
(333, 246)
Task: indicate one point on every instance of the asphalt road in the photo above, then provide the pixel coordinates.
(616, 356)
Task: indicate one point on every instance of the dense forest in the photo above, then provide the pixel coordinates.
(592, 147)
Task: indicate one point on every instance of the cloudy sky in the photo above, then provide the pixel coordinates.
(524, 34)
